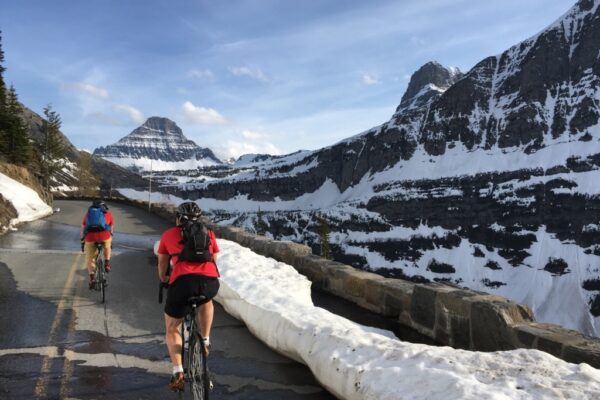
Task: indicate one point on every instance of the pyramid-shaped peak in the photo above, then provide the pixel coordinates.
(162, 124)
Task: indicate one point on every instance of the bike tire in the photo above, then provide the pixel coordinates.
(206, 382)
(103, 288)
(198, 378)
(101, 277)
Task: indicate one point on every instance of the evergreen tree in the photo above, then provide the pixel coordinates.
(260, 225)
(3, 113)
(51, 147)
(324, 237)
(17, 143)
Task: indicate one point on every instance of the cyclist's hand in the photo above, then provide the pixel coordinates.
(82, 244)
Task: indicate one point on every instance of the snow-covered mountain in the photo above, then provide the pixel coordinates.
(158, 144)
(487, 179)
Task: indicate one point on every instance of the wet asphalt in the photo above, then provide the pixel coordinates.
(58, 341)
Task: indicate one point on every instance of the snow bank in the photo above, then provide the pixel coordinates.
(357, 362)
(25, 200)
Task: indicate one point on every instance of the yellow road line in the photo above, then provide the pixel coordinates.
(42, 382)
(67, 370)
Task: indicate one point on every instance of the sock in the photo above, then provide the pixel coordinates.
(177, 369)
(206, 341)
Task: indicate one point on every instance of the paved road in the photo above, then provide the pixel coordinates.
(57, 341)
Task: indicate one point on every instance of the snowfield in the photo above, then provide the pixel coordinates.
(25, 200)
(357, 362)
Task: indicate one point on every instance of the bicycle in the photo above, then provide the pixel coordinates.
(196, 371)
(101, 275)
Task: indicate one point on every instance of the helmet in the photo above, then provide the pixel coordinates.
(98, 203)
(189, 211)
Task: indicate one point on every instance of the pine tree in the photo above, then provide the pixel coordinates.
(51, 147)
(324, 237)
(3, 113)
(17, 143)
(260, 225)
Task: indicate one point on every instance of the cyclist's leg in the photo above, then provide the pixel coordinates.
(206, 314)
(174, 344)
(90, 259)
(209, 288)
(175, 309)
(107, 253)
(173, 339)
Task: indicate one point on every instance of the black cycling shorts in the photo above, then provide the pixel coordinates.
(187, 286)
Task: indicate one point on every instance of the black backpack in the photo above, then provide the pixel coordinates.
(196, 241)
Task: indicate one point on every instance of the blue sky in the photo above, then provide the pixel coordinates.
(245, 76)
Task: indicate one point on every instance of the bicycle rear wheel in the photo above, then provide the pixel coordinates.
(101, 277)
(198, 369)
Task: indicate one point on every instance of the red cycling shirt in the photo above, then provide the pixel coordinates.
(98, 236)
(170, 245)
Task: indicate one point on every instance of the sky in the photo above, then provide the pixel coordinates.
(245, 76)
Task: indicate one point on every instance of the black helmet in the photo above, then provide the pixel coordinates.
(189, 210)
(98, 203)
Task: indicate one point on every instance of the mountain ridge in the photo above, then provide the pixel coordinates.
(157, 144)
(487, 184)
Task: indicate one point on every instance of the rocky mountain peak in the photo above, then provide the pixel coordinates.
(161, 124)
(427, 82)
(157, 144)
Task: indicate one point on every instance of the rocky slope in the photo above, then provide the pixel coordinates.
(486, 179)
(158, 144)
(110, 174)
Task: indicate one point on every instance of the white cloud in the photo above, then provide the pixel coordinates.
(253, 135)
(369, 79)
(202, 74)
(202, 115)
(87, 88)
(254, 73)
(134, 114)
(235, 149)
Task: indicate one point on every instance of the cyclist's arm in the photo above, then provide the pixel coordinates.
(82, 226)
(163, 263)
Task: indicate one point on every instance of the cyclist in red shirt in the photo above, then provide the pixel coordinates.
(186, 279)
(97, 228)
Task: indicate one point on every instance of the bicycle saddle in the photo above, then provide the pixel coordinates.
(195, 300)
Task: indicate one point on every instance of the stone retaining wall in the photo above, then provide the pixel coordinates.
(450, 315)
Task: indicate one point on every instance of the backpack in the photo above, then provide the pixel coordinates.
(96, 221)
(196, 241)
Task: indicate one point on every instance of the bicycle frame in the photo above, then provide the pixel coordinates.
(197, 367)
(100, 271)
(196, 371)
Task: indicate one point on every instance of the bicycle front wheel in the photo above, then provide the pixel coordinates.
(197, 369)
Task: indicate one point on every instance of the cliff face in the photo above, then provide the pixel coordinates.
(486, 179)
